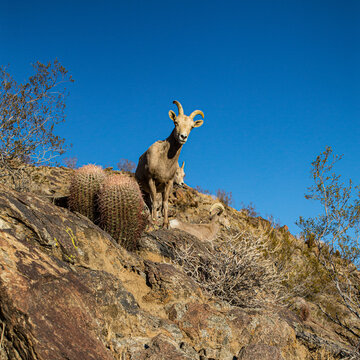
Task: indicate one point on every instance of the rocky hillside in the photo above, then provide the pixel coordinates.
(69, 291)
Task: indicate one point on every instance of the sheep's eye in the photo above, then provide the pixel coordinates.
(176, 123)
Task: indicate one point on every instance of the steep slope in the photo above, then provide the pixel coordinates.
(69, 291)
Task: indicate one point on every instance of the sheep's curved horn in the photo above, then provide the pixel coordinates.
(217, 206)
(181, 111)
(183, 164)
(196, 112)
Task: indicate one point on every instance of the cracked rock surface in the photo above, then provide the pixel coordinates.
(69, 291)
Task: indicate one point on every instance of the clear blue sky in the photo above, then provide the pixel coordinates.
(276, 80)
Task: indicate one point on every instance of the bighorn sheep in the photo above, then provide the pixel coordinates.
(202, 231)
(179, 175)
(157, 166)
(178, 180)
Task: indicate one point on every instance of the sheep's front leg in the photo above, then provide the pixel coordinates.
(165, 199)
(154, 204)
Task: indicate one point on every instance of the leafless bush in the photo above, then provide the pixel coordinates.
(250, 209)
(201, 190)
(238, 271)
(126, 165)
(71, 162)
(275, 222)
(225, 197)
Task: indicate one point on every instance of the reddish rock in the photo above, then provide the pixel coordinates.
(168, 283)
(49, 310)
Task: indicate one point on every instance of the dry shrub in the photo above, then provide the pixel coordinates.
(71, 162)
(29, 113)
(224, 196)
(17, 175)
(305, 276)
(249, 209)
(126, 165)
(238, 270)
(201, 190)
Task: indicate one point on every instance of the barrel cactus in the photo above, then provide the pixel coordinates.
(121, 208)
(84, 189)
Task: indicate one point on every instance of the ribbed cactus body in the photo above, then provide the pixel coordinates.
(84, 189)
(122, 210)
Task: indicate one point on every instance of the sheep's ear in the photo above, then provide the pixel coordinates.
(198, 123)
(183, 165)
(172, 115)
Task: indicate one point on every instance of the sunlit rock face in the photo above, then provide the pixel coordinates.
(69, 291)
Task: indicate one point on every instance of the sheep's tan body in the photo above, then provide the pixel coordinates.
(202, 231)
(157, 166)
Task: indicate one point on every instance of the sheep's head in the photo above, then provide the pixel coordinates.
(183, 123)
(179, 175)
(216, 209)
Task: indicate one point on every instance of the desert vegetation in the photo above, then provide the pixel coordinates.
(126, 165)
(84, 190)
(225, 197)
(122, 210)
(113, 201)
(335, 235)
(71, 162)
(29, 112)
(237, 270)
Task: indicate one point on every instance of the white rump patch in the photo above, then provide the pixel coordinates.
(174, 223)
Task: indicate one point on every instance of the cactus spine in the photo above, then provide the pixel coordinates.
(122, 210)
(84, 188)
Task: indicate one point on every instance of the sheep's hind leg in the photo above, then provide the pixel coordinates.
(165, 201)
(154, 204)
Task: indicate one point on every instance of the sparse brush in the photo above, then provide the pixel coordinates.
(323, 354)
(121, 208)
(237, 271)
(85, 185)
